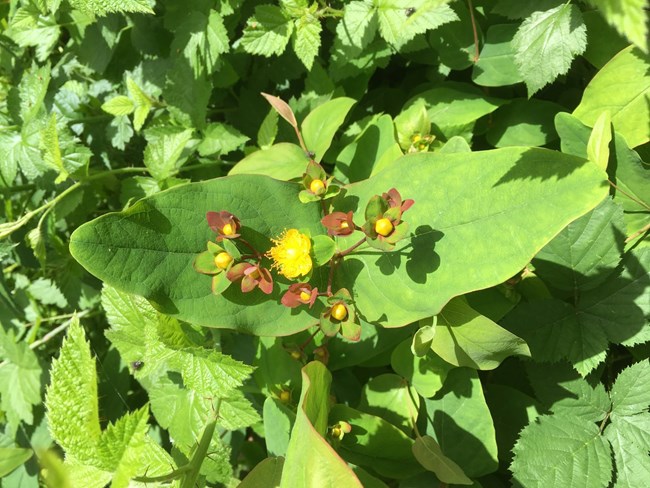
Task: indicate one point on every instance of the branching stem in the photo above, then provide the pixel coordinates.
(471, 14)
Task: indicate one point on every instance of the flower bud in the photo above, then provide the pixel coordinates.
(383, 227)
(317, 186)
(223, 260)
(285, 396)
(339, 311)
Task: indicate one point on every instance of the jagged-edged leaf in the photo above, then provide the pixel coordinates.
(103, 7)
(631, 459)
(20, 380)
(628, 16)
(307, 39)
(310, 460)
(586, 251)
(121, 446)
(267, 32)
(630, 394)
(358, 25)
(119, 105)
(562, 451)
(563, 391)
(623, 88)
(32, 89)
(615, 311)
(73, 388)
(211, 371)
(220, 139)
(399, 23)
(458, 418)
(466, 338)
(164, 149)
(546, 43)
(201, 38)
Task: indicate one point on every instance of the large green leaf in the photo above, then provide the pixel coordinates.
(459, 420)
(158, 238)
(311, 461)
(282, 161)
(496, 66)
(508, 203)
(12, 457)
(623, 88)
(321, 124)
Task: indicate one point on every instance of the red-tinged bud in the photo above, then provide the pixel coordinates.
(338, 223)
(252, 276)
(384, 227)
(224, 224)
(339, 311)
(299, 294)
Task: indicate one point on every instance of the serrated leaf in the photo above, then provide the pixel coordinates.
(268, 32)
(307, 39)
(586, 252)
(119, 105)
(630, 394)
(220, 139)
(20, 380)
(614, 312)
(141, 102)
(629, 17)
(187, 95)
(51, 149)
(562, 451)
(103, 7)
(632, 460)
(121, 446)
(562, 391)
(32, 89)
(546, 43)
(29, 27)
(358, 25)
(399, 24)
(202, 39)
(210, 372)
(428, 453)
(73, 388)
(164, 149)
(623, 88)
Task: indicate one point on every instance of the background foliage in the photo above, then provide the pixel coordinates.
(506, 343)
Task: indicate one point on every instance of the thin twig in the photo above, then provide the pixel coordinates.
(628, 195)
(638, 233)
(471, 14)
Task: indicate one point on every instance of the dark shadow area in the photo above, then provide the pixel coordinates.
(418, 252)
(580, 326)
(535, 164)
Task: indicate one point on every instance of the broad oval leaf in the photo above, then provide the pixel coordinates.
(321, 124)
(149, 249)
(508, 202)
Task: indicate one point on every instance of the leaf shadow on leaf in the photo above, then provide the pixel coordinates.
(421, 258)
(454, 440)
(532, 165)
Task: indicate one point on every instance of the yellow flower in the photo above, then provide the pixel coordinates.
(291, 254)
